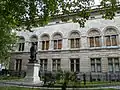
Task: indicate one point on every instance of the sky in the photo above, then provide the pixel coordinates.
(98, 1)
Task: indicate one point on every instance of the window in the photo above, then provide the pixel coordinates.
(56, 65)
(45, 45)
(74, 40)
(108, 43)
(57, 40)
(111, 37)
(43, 65)
(113, 65)
(94, 38)
(75, 43)
(111, 40)
(95, 64)
(75, 65)
(18, 64)
(21, 44)
(45, 42)
(57, 44)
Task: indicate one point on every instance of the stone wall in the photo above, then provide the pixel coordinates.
(84, 53)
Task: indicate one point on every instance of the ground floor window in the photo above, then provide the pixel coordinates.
(56, 64)
(113, 65)
(95, 64)
(43, 65)
(18, 64)
(75, 65)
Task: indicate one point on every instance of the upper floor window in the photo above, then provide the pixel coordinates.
(57, 40)
(74, 40)
(94, 38)
(111, 37)
(45, 42)
(21, 44)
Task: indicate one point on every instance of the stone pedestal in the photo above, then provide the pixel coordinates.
(32, 74)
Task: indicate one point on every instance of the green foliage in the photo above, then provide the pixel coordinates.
(109, 8)
(33, 13)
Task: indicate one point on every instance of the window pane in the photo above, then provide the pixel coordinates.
(108, 43)
(93, 67)
(58, 61)
(77, 61)
(59, 44)
(116, 67)
(97, 41)
(99, 67)
(72, 61)
(58, 67)
(18, 64)
(92, 61)
(114, 40)
(77, 42)
(110, 66)
(110, 60)
(116, 60)
(72, 43)
(47, 45)
(43, 45)
(20, 46)
(91, 40)
(23, 46)
(55, 44)
(54, 67)
(77, 67)
(72, 67)
(45, 67)
(98, 60)
(54, 61)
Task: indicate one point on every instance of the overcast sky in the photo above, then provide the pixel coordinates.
(98, 1)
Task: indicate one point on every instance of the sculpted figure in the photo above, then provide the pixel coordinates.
(33, 51)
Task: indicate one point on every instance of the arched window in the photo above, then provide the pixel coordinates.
(74, 39)
(34, 38)
(111, 37)
(45, 42)
(57, 39)
(94, 38)
(21, 43)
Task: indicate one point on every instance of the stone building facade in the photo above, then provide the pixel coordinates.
(92, 49)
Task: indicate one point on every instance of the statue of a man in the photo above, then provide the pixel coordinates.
(33, 51)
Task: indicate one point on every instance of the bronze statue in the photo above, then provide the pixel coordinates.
(33, 52)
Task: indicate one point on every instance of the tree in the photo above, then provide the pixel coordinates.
(25, 14)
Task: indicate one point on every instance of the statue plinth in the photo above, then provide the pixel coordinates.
(32, 74)
(33, 61)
